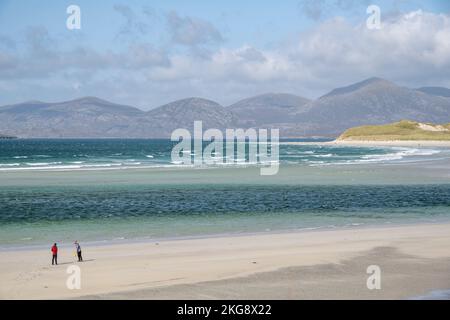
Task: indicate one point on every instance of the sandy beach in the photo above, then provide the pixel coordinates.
(327, 264)
(380, 143)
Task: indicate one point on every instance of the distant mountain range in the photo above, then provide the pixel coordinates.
(370, 102)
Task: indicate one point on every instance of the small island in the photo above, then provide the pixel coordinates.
(6, 137)
(400, 133)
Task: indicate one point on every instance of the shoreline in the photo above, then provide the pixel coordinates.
(176, 267)
(375, 143)
(98, 243)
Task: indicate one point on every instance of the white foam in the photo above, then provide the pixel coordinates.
(40, 168)
(39, 164)
(132, 163)
(329, 155)
(9, 164)
(103, 165)
(393, 156)
(434, 295)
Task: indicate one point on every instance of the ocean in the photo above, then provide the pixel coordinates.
(114, 153)
(126, 190)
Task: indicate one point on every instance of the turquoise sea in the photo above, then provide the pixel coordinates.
(121, 190)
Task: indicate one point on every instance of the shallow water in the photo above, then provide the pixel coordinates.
(353, 187)
(36, 215)
(434, 295)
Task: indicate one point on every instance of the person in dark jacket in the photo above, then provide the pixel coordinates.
(78, 249)
(54, 254)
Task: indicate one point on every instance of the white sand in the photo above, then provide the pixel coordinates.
(392, 143)
(141, 266)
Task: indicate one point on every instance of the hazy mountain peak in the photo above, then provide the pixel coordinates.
(435, 91)
(196, 100)
(33, 102)
(368, 83)
(95, 105)
(271, 99)
(374, 101)
(267, 108)
(182, 114)
(88, 100)
(187, 103)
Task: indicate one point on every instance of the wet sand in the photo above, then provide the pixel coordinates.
(413, 260)
(402, 277)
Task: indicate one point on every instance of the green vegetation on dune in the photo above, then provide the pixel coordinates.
(402, 130)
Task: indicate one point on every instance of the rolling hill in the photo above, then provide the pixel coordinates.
(183, 113)
(85, 117)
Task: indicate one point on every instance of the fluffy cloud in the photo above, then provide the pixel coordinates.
(413, 47)
(191, 31)
(132, 22)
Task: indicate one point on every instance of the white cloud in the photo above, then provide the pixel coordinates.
(191, 31)
(132, 22)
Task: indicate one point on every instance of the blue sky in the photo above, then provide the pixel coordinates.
(147, 53)
(254, 22)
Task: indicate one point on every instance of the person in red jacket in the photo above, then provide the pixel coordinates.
(54, 254)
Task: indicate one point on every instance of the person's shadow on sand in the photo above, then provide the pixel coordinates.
(66, 263)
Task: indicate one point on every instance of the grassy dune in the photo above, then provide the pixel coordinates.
(403, 130)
